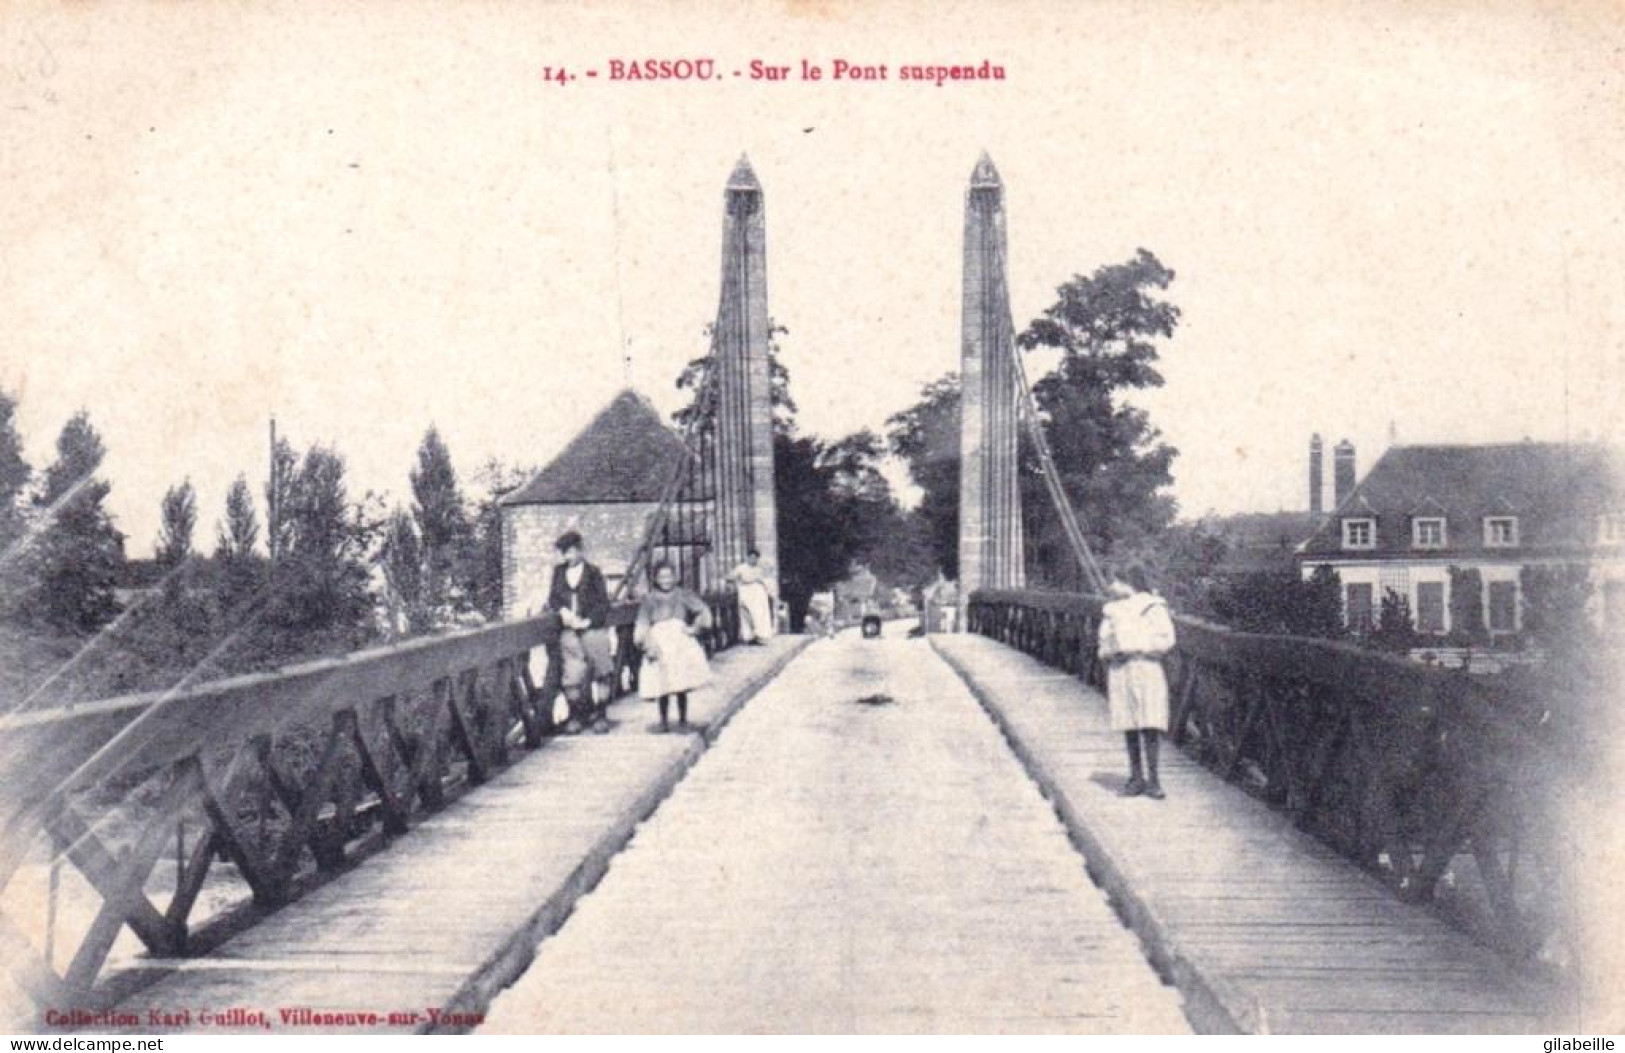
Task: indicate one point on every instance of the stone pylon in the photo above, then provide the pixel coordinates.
(746, 509)
(990, 536)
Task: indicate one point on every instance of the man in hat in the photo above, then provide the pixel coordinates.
(580, 597)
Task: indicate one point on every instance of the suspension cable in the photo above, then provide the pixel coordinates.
(704, 408)
(1035, 431)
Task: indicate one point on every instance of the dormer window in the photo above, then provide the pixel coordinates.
(1359, 533)
(1611, 528)
(1428, 532)
(1500, 531)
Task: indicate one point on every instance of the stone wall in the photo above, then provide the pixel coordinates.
(612, 533)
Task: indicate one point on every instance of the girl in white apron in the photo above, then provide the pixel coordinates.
(674, 663)
(1136, 630)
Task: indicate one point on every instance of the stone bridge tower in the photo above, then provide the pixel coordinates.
(990, 533)
(746, 507)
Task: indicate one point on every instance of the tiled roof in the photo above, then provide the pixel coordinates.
(1556, 490)
(1260, 541)
(626, 454)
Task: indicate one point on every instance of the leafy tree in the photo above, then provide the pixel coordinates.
(1185, 564)
(814, 552)
(241, 569)
(1467, 607)
(832, 504)
(1556, 599)
(241, 530)
(442, 524)
(15, 474)
(1395, 629)
(279, 500)
(897, 549)
(178, 519)
(926, 437)
(483, 569)
(1113, 466)
(403, 566)
(1281, 603)
(1320, 607)
(80, 554)
(322, 577)
(784, 407)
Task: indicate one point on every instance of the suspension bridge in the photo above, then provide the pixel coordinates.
(903, 834)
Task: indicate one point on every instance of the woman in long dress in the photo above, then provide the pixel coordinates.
(756, 622)
(1136, 630)
(674, 663)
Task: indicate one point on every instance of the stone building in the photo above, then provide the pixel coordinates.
(606, 483)
(1495, 509)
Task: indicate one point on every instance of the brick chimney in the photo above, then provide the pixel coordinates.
(1342, 472)
(1317, 488)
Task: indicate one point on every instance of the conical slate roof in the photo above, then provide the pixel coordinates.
(626, 454)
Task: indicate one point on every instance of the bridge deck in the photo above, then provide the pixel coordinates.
(1263, 928)
(453, 909)
(834, 867)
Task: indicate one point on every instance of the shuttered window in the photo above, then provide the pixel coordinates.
(1359, 606)
(1503, 606)
(1430, 607)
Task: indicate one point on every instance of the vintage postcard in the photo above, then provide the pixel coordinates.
(811, 517)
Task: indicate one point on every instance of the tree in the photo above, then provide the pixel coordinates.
(80, 553)
(403, 566)
(241, 530)
(1467, 607)
(835, 509)
(279, 500)
(897, 549)
(1184, 562)
(178, 518)
(1395, 630)
(483, 570)
(241, 569)
(15, 474)
(1320, 608)
(1113, 466)
(322, 577)
(784, 407)
(1556, 599)
(442, 526)
(1282, 603)
(926, 437)
(814, 552)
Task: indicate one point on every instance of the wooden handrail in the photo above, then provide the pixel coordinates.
(397, 729)
(84, 744)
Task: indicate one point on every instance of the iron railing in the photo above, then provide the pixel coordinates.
(1445, 784)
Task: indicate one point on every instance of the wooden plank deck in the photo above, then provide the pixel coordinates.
(834, 867)
(1262, 927)
(451, 912)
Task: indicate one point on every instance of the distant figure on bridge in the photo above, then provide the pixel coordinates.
(1136, 630)
(673, 661)
(821, 614)
(756, 622)
(581, 599)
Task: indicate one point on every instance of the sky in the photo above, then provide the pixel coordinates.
(369, 220)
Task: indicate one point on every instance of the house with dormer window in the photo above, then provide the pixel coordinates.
(1496, 509)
